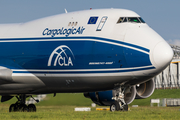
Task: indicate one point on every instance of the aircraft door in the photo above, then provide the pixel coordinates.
(101, 23)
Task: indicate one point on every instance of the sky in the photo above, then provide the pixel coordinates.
(161, 15)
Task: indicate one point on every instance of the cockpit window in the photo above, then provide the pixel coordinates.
(120, 20)
(133, 19)
(130, 19)
(142, 20)
(125, 19)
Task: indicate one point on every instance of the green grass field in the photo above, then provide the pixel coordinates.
(167, 93)
(62, 107)
(68, 113)
(78, 99)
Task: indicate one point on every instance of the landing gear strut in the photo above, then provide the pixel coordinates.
(119, 103)
(20, 105)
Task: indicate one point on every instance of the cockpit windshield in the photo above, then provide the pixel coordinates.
(131, 19)
(141, 20)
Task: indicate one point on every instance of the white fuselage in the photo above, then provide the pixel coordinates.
(79, 52)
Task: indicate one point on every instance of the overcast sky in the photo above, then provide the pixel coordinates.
(161, 15)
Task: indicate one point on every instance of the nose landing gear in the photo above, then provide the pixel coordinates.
(20, 105)
(119, 103)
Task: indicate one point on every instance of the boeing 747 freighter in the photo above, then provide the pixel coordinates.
(110, 55)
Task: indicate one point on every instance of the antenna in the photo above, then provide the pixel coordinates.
(65, 10)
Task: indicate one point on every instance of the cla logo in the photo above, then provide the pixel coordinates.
(59, 56)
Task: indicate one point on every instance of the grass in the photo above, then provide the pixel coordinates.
(160, 93)
(68, 113)
(62, 107)
(78, 99)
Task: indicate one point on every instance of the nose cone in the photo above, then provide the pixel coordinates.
(162, 54)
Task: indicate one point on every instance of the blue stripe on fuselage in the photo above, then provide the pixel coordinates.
(96, 38)
(34, 53)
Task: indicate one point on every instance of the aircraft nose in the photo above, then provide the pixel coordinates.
(162, 54)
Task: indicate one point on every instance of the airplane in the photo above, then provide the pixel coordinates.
(110, 55)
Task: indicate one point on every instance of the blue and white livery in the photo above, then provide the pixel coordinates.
(108, 54)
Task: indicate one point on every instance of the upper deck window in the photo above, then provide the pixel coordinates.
(130, 19)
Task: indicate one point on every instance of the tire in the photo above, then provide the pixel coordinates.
(25, 108)
(31, 108)
(12, 108)
(114, 107)
(125, 107)
(20, 107)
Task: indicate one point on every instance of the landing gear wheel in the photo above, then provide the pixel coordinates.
(21, 106)
(25, 108)
(32, 108)
(114, 107)
(125, 107)
(120, 100)
(12, 108)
